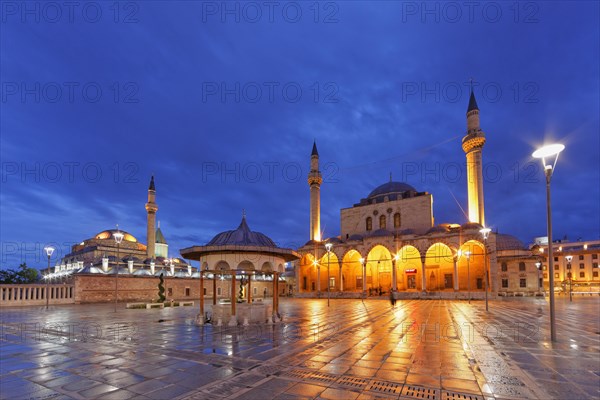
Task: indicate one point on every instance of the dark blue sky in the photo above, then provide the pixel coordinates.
(222, 106)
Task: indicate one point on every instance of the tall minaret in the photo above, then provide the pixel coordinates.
(151, 208)
(314, 181)
(472, 144)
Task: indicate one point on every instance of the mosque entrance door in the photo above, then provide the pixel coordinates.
(448, 281)
(385, 281)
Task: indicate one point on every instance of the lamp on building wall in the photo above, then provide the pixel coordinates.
(49, 250)
(550, 152)
(570, 276)
(485, 232)
(118, 236)
(328, 247)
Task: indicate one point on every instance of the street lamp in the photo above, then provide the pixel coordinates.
(549, 152)
(468, 255)
(49, 250)
(570, 276)
(485, 232)
(118, 236)
(328, 247)
(364, 279)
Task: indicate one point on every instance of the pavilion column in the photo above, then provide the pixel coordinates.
(214, 289)
(394, 279)
(423, 275)
(250, 289)
(455, 260)
(201, 316)
(275, 293)
(233, 320)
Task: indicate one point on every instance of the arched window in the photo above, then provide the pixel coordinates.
(369, 224)
(504, 267)
(382, 221)
(397, 220)
(521, 266)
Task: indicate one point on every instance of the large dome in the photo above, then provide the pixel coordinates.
(391, 188)
(108, 234)
(242, 236)
(508, 242)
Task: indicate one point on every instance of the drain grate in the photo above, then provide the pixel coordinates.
(353, 382)
(270, 369)
(322, 377)
(448, 395)
(296, 373)
(419, 392)
(385, 387)
(247, 379)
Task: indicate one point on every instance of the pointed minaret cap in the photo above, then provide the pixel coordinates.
(472, 102)
(314, 150)
(151, 187)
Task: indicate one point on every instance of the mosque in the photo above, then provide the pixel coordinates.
(388, 242)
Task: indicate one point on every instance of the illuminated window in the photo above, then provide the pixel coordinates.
(581, 257)
(556, 275)
(397, 220)
(595, 274)
(594, 256)
(369, 224)
(581, 266)
(382, 222)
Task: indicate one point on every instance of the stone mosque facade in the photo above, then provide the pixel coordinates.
(388, 242)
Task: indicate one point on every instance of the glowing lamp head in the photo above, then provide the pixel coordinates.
(362, 260)
(569, 258)
(328, 247)
(485, 232)
(548, 151)
(118, 237)
(49, 250)
(467, 254)
(538, 265)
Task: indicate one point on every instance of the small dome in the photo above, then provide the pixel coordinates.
(333, 240)
(356, 236)
(472, 225)
(242, 236)
(108, 234)
(381, 232)
(438, 229)
(508, 242)
(407, 232)
(391, 187)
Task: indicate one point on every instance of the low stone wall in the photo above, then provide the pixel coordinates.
(35, 294)
(94, 288)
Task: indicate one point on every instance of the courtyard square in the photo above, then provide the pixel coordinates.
(353, 349)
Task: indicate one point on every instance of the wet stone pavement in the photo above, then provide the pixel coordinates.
(421, 349)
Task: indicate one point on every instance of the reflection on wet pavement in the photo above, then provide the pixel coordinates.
(426, 349)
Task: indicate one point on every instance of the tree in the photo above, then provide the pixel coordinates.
(23, 275)
(161, 289)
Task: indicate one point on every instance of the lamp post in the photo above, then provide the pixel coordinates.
(364, 277)
(485, 232)
(328, 247)
(468, 255)
(118, 238)
(539, 269)
(49, 250)
(570, 276)
(550, 151)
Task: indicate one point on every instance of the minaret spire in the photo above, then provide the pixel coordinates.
(151, 209)
(314, 181)
(472, 145)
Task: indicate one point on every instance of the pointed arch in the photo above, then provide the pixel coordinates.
(471, 271)
(439, 267)
(352, 271)
(379, 268)
(409, 269)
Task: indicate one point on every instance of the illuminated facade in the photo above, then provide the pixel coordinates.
(388, 242)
